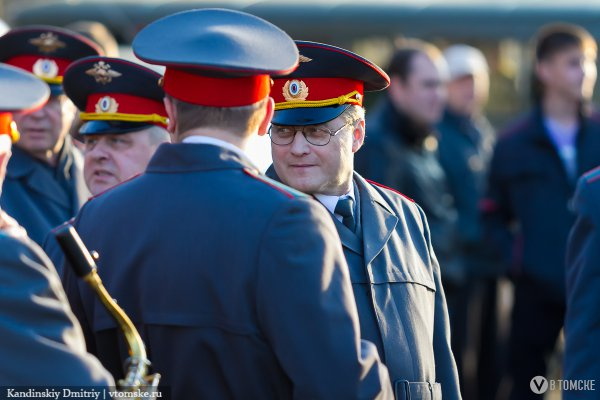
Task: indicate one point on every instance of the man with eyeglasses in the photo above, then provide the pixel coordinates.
(318, 126)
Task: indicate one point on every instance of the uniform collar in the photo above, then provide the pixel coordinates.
(199, 139)
(184, 157)
(331, 201)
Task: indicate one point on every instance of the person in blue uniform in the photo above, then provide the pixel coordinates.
(532, 177)
(582, 356)
(318, 126)
(124, 122)
(44, 182)
(237, 284)
(42, 343)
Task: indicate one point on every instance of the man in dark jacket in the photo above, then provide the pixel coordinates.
(44, 181)
(535, 166)
(237, 284)
(42, 344)
(394, 271)
(582, 355)
(466, 140)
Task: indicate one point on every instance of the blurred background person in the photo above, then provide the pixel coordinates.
(533, 172)
(44, 182)
(465, 144)
(400, 149)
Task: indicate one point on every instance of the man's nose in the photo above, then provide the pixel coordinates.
(300, 145)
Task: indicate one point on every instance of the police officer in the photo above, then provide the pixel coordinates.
(124, 118)
(318, 126)
(44, 183)
(582, 358)
(533, 174)
(42, 344)
(238, 284)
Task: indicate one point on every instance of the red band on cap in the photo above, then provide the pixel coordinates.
(318, 88)
(27, 63)
(124, 103)
(216, 92)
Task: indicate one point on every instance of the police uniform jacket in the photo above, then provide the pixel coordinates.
(40, 197)
(238, 286)
(528, 185)
(42, 344)
(396, 280)
(582, 355)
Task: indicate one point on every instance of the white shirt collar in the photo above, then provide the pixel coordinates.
(199, 139)
(331, 201)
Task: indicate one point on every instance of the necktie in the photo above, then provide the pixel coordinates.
(345, 208)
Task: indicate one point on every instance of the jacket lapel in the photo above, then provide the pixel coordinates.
(378, 220)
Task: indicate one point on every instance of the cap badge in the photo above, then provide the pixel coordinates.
(103, 73)
(295, 90)
(47, 43)
(45, 68)
(304, 59)
(107, 104)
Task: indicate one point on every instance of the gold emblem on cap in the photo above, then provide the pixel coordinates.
(304, 59)
(103, 73)
(47, 43)
(295, 90)
(106, 104)
(45, 68)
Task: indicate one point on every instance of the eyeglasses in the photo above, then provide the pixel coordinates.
(282, 135)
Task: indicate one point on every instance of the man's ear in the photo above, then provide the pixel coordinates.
(172, 114)
(269, 111)
(358, 135)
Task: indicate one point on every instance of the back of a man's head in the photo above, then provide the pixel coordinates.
(241, 121)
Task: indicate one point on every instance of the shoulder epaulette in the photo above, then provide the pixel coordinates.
(592, 175)
(280, 187)
(389, 188)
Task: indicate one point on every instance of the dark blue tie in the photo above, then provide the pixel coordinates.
(345, 208)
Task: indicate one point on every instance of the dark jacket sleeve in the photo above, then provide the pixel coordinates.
(445, 365)
(307, 310)
(497, 214)
(42, 344)
(582, 353)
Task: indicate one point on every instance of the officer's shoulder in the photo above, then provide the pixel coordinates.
(273, 185)
(514, 130)
(114, 188)
(594, 117)
(390, 191)
(592, 177)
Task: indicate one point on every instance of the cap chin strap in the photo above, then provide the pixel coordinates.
(353, 97)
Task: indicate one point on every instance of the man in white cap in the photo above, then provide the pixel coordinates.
(465, 144)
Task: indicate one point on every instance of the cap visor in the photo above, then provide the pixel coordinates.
(308, 116)
(111, 127)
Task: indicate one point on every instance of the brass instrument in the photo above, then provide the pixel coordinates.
(82, 262)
